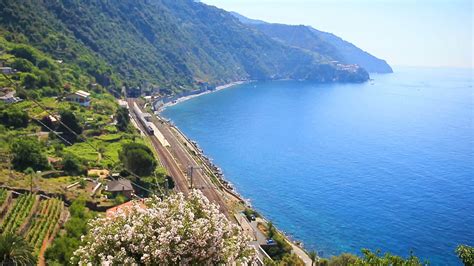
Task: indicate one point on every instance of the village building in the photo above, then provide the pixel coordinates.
(125, 207)
(7, 70)
(9, 97)
(81, 97)
(120, 187)
(122, 103)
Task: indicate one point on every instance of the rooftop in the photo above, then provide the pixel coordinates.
(119, 185)
(82, 93)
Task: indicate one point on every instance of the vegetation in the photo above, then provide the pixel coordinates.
(370, 258)
(19, 212)
(13, 117)
(63, 247)
(3, 195)
(170, 43)
(123, 119)
(72, 165)
(14, 250)
(323, 43)
(27, 153)
(138, 158)
(281, 248)
(69, 123)
(465, 254)
(172, 231)
(250, 213)
(44, 222)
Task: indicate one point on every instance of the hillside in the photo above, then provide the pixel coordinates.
(171, 43)
(320, 42)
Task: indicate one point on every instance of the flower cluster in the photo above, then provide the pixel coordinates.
(173, 231)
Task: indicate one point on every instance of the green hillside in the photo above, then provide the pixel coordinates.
(320, 42)
(170, 43)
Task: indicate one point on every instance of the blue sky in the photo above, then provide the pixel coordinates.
(435, 33)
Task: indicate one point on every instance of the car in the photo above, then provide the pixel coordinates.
(252, 217)
(270, 242)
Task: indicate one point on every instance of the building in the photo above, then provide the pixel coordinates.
(121, 186)
(125, 208)
(81, 97)
(122, 103)
(7, 70)
(9, 97)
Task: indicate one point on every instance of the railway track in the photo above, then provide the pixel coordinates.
(165, 158)
(176, 160)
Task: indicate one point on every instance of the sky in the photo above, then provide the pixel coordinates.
(433, 33)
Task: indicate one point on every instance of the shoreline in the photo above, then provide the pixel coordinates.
(222, 182)
(227, 187)
(189, 97)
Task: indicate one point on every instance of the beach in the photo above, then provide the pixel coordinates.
(185, 98)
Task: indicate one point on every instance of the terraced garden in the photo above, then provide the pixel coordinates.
(18, 213)
(44, 222)
(35, 218)
(3, 195)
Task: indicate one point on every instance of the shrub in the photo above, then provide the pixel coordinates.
(138, 158)
(173, 231)
(27, 153)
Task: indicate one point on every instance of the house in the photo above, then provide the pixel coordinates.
(9, 97)
(122, 103)
(81, 97)
(125, 208)
(7, 70)
(120, 186)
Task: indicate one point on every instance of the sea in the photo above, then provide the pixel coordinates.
(385, 165)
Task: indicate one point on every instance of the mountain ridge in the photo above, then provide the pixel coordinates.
(309, 38)
(172, 44)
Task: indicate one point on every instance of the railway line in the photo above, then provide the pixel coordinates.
(165, 157)
(176, 159)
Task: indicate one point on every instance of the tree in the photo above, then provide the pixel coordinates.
(25, 52)
(313, 256)
(14, 250)
(27, 153)
(123, 119)
(345, 259)
(31, 174)
(138, 158)
(69, 119)
(71, 165)
(22, 65)
(173, 231)
(13, 117)
(466, 254)
(29, 81)
(271, 230)
(63, 247)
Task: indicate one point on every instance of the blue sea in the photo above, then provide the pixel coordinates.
(387, 164)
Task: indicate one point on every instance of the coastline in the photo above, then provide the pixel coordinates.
(224, 184)
(228, 188)
(189, 97)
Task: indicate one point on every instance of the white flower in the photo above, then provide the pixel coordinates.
(171, 231)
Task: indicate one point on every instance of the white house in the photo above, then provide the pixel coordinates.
(7, 70)
(81, 97)
(9, 97)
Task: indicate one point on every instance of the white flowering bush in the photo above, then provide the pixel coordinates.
(173, 231)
